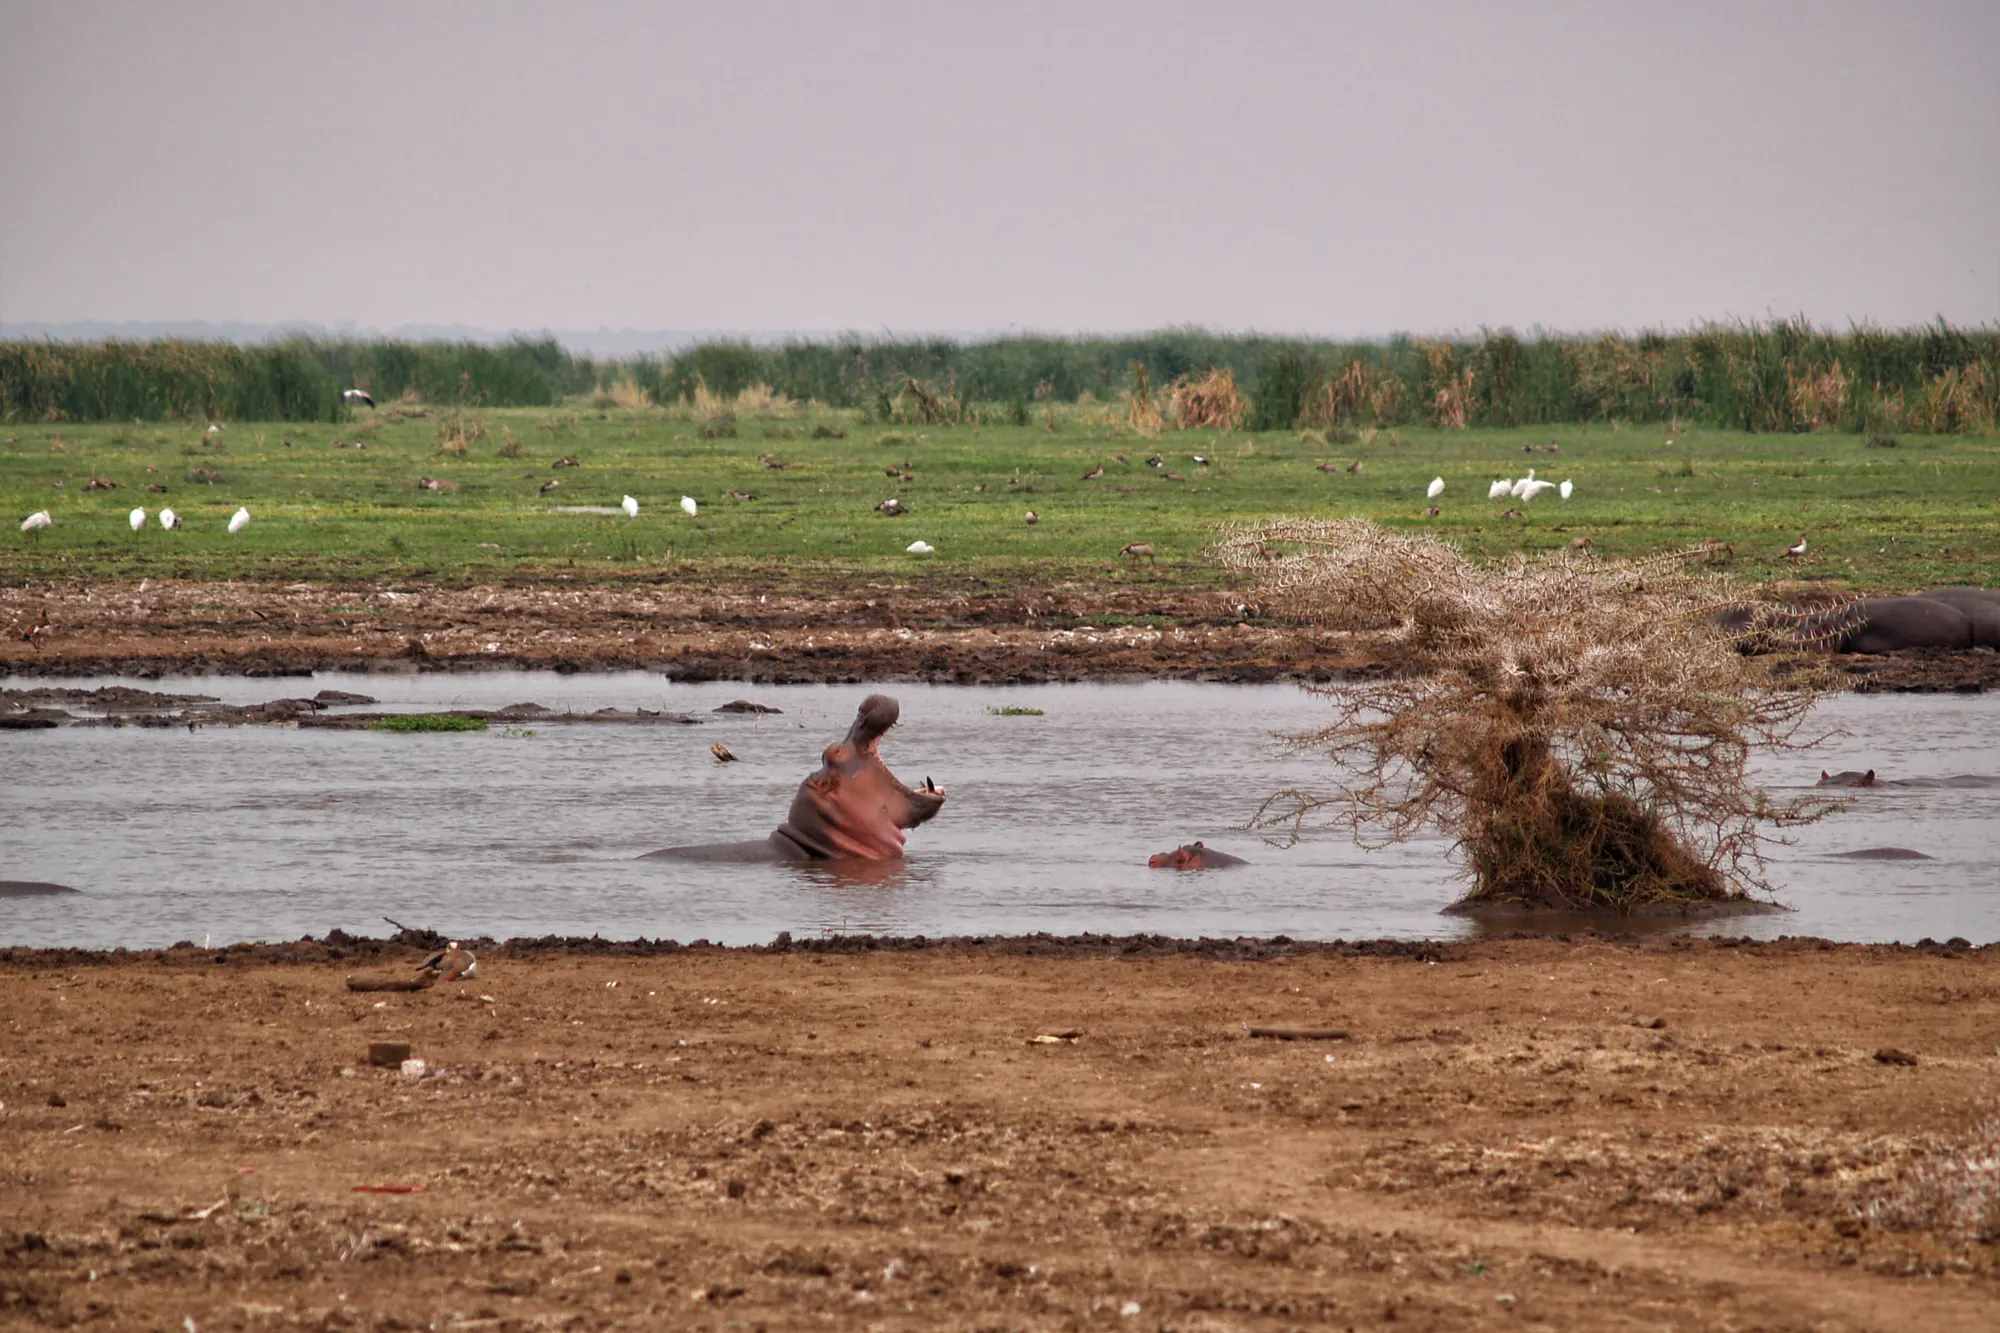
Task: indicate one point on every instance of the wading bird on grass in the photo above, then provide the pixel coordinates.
(1796, 549)
(353, 396)
(1031, 518)
(689, 507)
(1094, 473)
(169, 520)
(1531, 488)
(239, 521)
(1567, 489)
(36, 521)
(548, 485)
(630, 506)
(921, 547)
(1435, 489)
(1499, 490)
(1138, 551)
(137, 518)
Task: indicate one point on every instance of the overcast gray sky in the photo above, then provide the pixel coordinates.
(1333, 168)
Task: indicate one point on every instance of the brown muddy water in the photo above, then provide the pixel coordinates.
(272, 832)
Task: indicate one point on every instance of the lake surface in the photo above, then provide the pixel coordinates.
(264, 833)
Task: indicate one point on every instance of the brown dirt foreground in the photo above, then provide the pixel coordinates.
(1145, 628)
(1578, 1135)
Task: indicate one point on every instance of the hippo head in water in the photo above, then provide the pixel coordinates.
(1846, 778)
(852, 808)
(1193, 856)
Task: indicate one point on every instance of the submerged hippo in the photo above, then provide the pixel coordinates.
(30, 888)
(852, 808)
(1194, 856)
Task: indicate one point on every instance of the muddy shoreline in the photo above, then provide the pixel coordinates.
(1667, 1134)
(885, 633)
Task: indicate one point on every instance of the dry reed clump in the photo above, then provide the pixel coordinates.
(1142, 413)
(1212, 402)
(1955, 1193)
(1582, 728)
(458, 432)
(628, 394)
(1818, 395)
(1451, 401)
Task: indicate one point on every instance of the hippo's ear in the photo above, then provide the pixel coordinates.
(1824, 775)
(1868, 778)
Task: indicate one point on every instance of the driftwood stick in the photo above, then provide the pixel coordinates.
(390, 983)
(1299, 1034)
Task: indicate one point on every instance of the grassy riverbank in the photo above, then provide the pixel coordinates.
(340, 501)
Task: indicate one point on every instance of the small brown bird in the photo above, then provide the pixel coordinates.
(1579, 543)
(1032, 518)
(1527, 448)
(778, 464)
(567, 460)
(1432, 512)
(1355, 466)
(1553, 448)
(1137, 550)
(1120, 458)
(722, 753)
(1094, 473)
(1511, 513)
(739, 495)
(451, 963)
(892, 507)
(1796, 549)
(100, 484)
(1175, 476)
(893, 472)
(1156, 461)
(1328, 466)
(549, 485)
(1199, 460)
(157, 489)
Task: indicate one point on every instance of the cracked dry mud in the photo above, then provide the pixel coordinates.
(1579, 1135)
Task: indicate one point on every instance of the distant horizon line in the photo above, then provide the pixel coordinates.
(628, 341)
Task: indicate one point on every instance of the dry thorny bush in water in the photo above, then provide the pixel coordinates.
(1581, 727)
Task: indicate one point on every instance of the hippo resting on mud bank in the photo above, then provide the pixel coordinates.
(1940, 618)
(852, 808)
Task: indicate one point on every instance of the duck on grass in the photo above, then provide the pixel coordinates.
(1579, 727)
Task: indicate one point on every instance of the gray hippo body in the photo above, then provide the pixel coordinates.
(30, 888)
(852, 808)
(1889, 624)
(1978, 605)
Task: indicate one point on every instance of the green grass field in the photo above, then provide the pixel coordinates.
(1919, 513)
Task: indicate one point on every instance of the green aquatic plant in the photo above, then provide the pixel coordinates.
(429, 722)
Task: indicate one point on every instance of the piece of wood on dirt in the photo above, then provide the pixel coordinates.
(1299, 1034)
(391, 983)
(389, 1054)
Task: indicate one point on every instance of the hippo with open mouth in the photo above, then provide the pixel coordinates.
(852, 808)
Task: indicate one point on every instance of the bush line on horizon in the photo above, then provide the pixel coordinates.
(1783, 376)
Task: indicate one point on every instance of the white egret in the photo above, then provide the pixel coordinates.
(36, 521)
(137, 518)
(351, 396)
(1567, 489)
(1520, 488)
(213, 428)
(689, 507)
(1435, 489)
(920, 547)
(630, 506)
(239, 521)
(169, 519)
(1499, 489)
(1532, 488)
